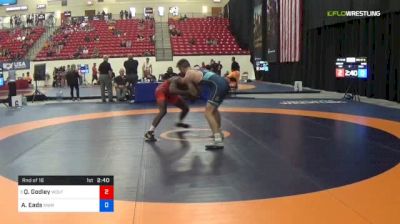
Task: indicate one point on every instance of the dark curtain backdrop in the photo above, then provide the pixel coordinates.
(327, 38)
(377, 38)
(240, 16)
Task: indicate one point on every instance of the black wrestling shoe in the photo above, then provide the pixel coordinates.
(149, 136)
(182, 125)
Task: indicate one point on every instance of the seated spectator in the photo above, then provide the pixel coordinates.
(173, 32)
(96, 52)
(128, 44)
(170, 73)
(152, 39)
(123, 43)
(139, 37)
(192, 41)
(77, 54)
(46, 44)
(50, 52)
(28, 78)
(121, 85)
(87, 39)
(184, 18)
(147, 70)
(97, 38)
(85, 51)
(147, 53)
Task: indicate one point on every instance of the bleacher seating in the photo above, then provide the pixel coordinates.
(8, 40)
(202, 29)
(109, 44)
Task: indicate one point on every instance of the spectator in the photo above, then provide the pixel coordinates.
(131, 66)
(126, 14)
(85, 51)
(105, 71)
(121, 85)
(235, 66)
(121, 15)
(28, 78)
(147, 69)
(170, 73)
(73, 81)
(219, 68)
(147, 53)
(213, 66)
(11, 80)
(130, 14)
(95, 52)
(94, 74)
(128, 44)
(192, 41)
(123, 43)
(77, 54)
(87, 39)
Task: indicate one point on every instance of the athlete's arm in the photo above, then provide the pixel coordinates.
(173, 89)
(191, 79)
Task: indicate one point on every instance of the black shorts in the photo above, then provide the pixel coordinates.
(219, 88)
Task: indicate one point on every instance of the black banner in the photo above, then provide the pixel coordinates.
(272, 30)
(66, 180)
(258, 30)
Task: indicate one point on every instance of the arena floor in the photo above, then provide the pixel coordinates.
(327, 162)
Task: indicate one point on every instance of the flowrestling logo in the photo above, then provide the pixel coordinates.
(336, 13)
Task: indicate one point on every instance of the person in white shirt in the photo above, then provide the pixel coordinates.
(147, 69)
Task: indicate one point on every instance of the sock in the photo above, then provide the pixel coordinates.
(217, 137)
(152, 128)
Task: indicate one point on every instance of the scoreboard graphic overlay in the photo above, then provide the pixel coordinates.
(66, 194)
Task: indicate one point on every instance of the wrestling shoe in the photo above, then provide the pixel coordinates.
(149, 136)
(182, 125)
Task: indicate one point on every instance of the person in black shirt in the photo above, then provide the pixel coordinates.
(73, 81)
(131, 66)
(121, 85)
(219, 68)
(235, 66)
(169, 74)
(105, 71)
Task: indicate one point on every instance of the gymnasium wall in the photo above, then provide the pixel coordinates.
(78, 7)
(159, 67)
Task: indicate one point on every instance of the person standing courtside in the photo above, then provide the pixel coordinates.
(12, 87)
(105, 71)
(235, 66)
(94, 74)
(73, 81)
(131, 66)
